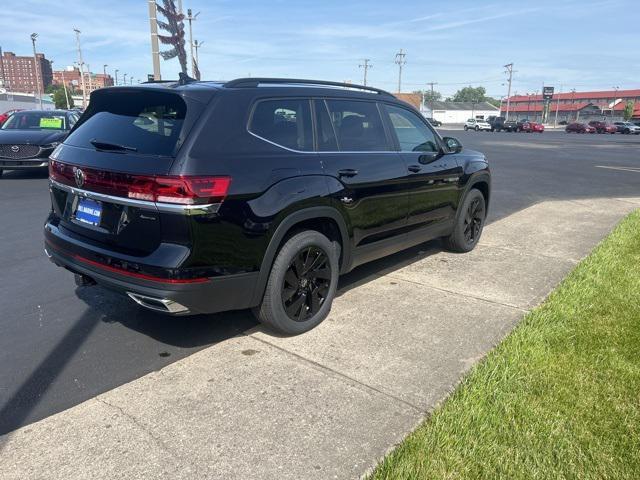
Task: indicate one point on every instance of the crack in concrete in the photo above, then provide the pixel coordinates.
(466, 295)
(140, 425)
(336, 374)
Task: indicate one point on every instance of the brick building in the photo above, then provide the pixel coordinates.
(92, 81)
(574, 105)
(18, 74)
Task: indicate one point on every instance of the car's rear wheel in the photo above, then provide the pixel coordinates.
(477, 128)
(466, 128)
(469, 223)
(302, 284)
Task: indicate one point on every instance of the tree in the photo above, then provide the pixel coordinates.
(428, 97)
(470, 94)
(175, 27)
(628, 110)
(60, 99)
(493, 101)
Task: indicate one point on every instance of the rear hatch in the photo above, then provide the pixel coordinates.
(125, 141)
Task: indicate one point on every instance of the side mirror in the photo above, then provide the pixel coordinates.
(453, 144)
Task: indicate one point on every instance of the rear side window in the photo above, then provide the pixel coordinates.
(358, 126)
(285, 122)
(148, 123)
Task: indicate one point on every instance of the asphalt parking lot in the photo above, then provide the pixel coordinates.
(60, 346)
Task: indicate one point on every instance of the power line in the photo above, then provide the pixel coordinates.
(400, 61)
(366, 65)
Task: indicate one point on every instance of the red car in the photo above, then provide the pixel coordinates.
(577, 127)
(603, 127)
(532, 127)
(7, 114)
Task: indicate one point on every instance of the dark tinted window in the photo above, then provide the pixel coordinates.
(358, 126)
(326, 136)
(286, 122)
(150, 122)
(413, 134)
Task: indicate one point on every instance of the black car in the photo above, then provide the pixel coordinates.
(434, 122)
(497, 123)
(28, 137)
(199, 197)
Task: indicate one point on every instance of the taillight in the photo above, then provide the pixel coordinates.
(179, 189)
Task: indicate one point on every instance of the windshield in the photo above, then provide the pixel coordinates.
(36, 121)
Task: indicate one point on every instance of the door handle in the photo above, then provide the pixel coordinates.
(414, 168)
(347, 172)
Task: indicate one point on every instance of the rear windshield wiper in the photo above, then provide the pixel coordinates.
(101, 145)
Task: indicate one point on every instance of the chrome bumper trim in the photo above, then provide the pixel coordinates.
(130, 202)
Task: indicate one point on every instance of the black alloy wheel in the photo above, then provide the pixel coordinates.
(306, 284)
(473, 221)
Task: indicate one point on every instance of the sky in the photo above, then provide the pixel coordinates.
(581, 44)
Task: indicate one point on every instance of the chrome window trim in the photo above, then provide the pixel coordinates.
(131, 202)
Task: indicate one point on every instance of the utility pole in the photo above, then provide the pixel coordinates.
(509, 70)
(366, 65)
(81, 65)
(124, 82)
(89, 78)
(35, 64)
(104, 75)
(197, 45)
(613, 105)
(400, 61)
(191, 18)
(64, 85)
(431, 84)
(155, 47)
(116, 79)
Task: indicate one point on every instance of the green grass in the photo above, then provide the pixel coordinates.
(559, 397)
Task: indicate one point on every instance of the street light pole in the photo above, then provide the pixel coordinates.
(35, 64)
(81, 65)
(124, 82)
(116, 79)
(509, 70)
(613, 104)
(104, 75)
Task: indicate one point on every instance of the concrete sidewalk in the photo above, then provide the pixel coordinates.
(330, 403)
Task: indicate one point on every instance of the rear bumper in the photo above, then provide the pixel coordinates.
(215, 294)
(26, 164)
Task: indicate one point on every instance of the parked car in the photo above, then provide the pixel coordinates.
(603, 127)
(510, 126)
(6, 115)
(259, 199)
(434, 122)
(477, 125)
(496, 123)
(577, 127)
(563, 122)
(627, 127)
(28, 137)
(531, 127)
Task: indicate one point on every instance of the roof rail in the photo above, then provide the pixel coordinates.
(256, 81)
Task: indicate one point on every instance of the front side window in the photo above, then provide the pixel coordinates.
(413, 135)
(285, 122)
(358, 126)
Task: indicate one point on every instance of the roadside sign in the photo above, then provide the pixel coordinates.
(547, 93)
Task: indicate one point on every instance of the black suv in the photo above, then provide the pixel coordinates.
(497, 123)
(200, 197)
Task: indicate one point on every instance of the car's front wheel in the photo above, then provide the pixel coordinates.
(466, 128)
(302, 284)
(477, 128)
(469, 223)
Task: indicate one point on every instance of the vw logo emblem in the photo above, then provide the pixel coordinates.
(15, 148)
(79, 176)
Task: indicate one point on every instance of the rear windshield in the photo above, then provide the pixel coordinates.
(149, 123)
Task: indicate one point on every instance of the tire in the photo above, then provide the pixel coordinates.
(1, 172)
(627, 131)
(464, 238)
(466, 128)
(477, 128)
(289, 276)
